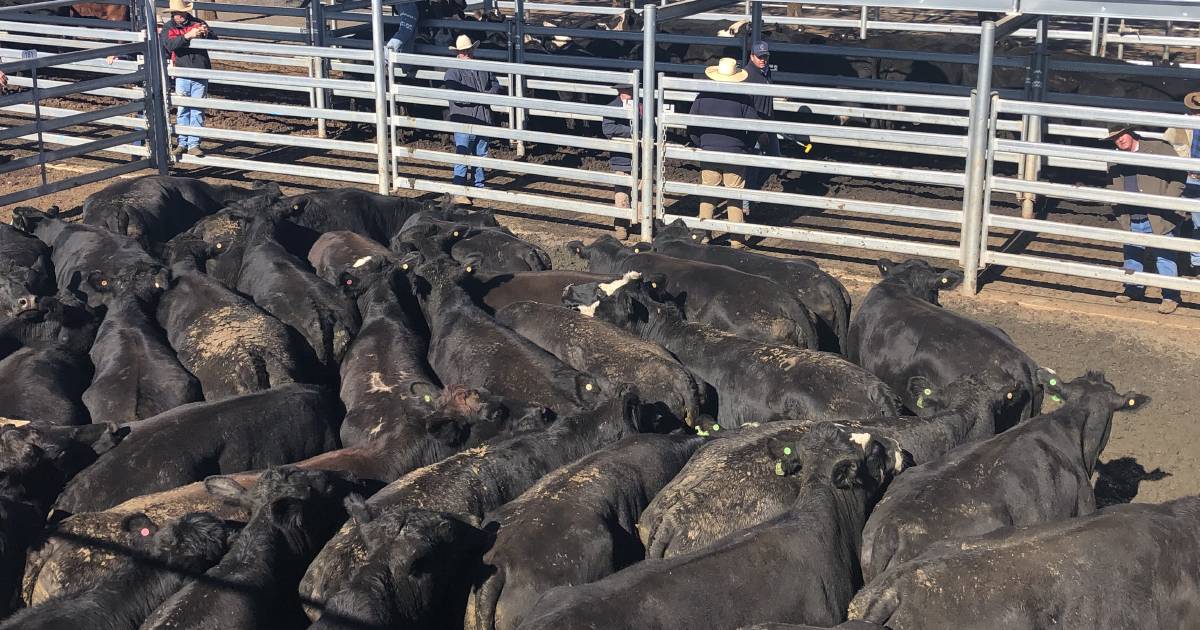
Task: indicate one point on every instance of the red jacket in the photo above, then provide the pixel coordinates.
(181, 53)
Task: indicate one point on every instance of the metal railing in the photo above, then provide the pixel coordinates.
(411, 166)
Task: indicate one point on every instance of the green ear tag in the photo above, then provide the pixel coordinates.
(701, 432)
(787, 450)
(428, 398)
(927, 392)
(779, 468)
(716, 427)
(920, 402)
(1056, 398)
(1053, 382)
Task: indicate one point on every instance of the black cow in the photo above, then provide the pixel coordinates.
(422, 561)
(60, 320)
(743, 304)
(1125, 566)
(495, 291)
(292, 514)
(807, 553)
(479, 480)
(81, 251)
(45, 385)
(339, 249)
(755, 382)
(284, 287)
(608, 352)
(154, 208)
(499, 252)
(468, 347)
(232, 346)
(1037, 472)
(137, 374)
(820, 292)
(163, 560)
(25, 272)
(279, 426)
(574, 526)
(375, 216)
(900, 332)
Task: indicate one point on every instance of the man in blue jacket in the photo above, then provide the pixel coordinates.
(718, 105)
(759, 71)
(469, 142)
(620, 162)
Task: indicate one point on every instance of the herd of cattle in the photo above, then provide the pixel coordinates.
(229, 408)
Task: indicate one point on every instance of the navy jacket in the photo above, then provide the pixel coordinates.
(617, 128)
(764, 105)
(471, 81)
(722, 106)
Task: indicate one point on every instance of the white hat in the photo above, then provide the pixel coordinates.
(726, 70)
(463, 43)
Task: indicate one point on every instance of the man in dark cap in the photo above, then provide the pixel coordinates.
(759, 71)
(1150, 181)
(620, 162)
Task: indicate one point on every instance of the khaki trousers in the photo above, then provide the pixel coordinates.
(728, 179)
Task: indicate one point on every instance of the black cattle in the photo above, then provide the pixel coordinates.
(137, 374)
(283, 286)
(447, 213)
(669, 391)
(499, 252)
(163, 561)
(279, 426)
(746, 305)
(1037, 472)
(820, 292)
(900, 332)
(81, 251)
(495, 291)
(429, 239)
(339, 249)
(60, 320)
(292, 514)
(1126, 566)
(468, 347)
(375, 216)
(479, 480)
(232, 346)
(25, 272)
(807, 553)
(754, 382)
(35, 463)
(154, 208)
(416, 572)
(575, 526)
(45, 385)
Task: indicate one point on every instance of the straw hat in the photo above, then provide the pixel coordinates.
(462, 44)
(1192, 101)
(178, 6)
(726, 70)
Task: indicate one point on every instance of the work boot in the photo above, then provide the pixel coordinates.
(1168, 306)
(621, 232)
(178, 152)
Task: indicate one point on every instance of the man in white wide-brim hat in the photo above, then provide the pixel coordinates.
(470, 113)
(723, 105)
(180, 28)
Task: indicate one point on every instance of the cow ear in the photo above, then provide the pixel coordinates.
(885, 459)
(226, 488)
(460, 231)
(922, 391)
(1051, 383)
(642, 248)
(845, 474)
(471, 263)
(1132, 401)
(576, 248)
(140, 526)
(112, 436)
(409, 261)
(948, 280)
(426, 392)
(785, 457)
(99, 281)
(586, 387)
(448, 431)
(885, 266)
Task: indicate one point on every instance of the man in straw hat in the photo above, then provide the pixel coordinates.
(722, 105)
(620, 162)
(1150, 181)
(469, 142)
(1187, 144)
(179, 29)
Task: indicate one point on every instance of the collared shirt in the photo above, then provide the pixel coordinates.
(480, 81)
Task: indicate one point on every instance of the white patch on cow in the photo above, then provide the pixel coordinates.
(589, 310)
(733, 29)
(610, 288)
(377, 384)
(861, 439)
(899, 461)
(376, 429)
(361, 261)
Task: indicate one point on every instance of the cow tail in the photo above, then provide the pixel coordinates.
(486, 600)
(841, 313)
(659, 543)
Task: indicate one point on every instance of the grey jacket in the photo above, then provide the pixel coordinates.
(1150, 181)
(617, 128)
(471, 81)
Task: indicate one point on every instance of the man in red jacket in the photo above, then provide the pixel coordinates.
(177, 35)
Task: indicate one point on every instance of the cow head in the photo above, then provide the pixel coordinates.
(979, 397)
(22, 287)
(1098, 399)
(141, 281)
(677, 230)
(468, 417)
(603, 254)
(366, 273)
(842, 456)
(631, 302)
(192, 543)
(628, 20)
(919, 278)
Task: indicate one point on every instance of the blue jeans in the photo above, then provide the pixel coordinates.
(467, 144)
(1164, 261)
(1192, 191)
(190, 116)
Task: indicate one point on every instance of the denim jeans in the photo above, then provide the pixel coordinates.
(1192, 191)
(1164, 262)
(467, 144)
(190, 116)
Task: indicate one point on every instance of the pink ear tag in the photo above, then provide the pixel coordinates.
(145, 531)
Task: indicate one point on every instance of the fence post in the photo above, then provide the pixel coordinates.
(519, 80)
(157, 127)
(755, 24)
(1095, 50)
(1033, 130)
(971, 237)
(649, 106)
(316, 65)
(381, 136)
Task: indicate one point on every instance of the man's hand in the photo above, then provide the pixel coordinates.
(110, 59)
(3, 79)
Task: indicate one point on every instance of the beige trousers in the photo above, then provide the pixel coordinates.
(728, 179)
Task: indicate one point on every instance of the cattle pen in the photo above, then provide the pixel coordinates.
(989, 162)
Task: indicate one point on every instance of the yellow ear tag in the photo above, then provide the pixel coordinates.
(920, 402)
(945, 280)
(653, 285)
(1132, 402)
(468, 269)
(428, 398)
(695, 237)
(219, 246)
(588, 387)
(455, 232)
(104, 283)
(779, 468)
(1009, 396)
(404, 266)
(807, 148)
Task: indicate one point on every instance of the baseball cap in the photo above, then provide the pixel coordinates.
(760, 49)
